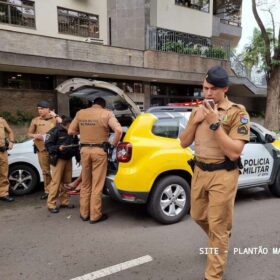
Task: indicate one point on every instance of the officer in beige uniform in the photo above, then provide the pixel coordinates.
(220, 134)
(93, 125)
(39, 126)
(4, 166)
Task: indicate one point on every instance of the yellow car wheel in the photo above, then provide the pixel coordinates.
(170, 199)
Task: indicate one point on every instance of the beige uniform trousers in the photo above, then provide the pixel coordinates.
(4, 170)
(212, 202)
(94, 169)
(61, 174)
(43, 158)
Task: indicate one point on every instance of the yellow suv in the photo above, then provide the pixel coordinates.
(152, 166)
(149, 165)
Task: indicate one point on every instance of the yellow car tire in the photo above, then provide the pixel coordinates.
(170, 199)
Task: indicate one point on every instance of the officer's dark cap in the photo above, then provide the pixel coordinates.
(43, 104)
(217, 76)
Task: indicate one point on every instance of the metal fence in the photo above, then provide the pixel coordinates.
(172, 41)
(255, 74)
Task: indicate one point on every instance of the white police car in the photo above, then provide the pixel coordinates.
(24, 170)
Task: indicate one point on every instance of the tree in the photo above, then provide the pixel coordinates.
(271, 54)
(254, 52)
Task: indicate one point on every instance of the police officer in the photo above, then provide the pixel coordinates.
(58, 144)
(4, 166)
(94, 124)
(220, 134)
(39, 126)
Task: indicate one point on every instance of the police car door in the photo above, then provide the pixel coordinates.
(257, 162)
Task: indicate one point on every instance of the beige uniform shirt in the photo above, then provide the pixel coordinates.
(235, 122)
(41, 126)
(3, 128)
(93, 124)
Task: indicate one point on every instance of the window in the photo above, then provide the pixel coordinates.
(201, 5)
(17, 12)
(166, 128)
(78, 23)
(26, 81)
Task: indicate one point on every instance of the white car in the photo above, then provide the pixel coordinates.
(24, 170)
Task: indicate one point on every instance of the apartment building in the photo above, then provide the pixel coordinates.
(157, 51)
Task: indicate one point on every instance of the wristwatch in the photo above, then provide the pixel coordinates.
(214, 126)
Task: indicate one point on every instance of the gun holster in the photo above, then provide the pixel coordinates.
(3, 149)
(35, 149)
(191, 163)
(107, 147)
(53, 159)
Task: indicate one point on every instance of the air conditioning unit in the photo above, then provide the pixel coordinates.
(94, 40)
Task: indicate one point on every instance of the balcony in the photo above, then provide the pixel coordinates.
(183, 43)
(227, 28)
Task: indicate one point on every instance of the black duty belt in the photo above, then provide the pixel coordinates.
(93, 145)
(227, 165)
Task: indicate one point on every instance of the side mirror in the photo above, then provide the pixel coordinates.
(269, 138)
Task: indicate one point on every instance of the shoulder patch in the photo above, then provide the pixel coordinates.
(242, 129)
(244, 118)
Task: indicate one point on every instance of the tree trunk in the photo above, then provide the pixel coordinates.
(271, 120)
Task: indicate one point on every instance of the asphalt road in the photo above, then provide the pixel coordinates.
(38, 245)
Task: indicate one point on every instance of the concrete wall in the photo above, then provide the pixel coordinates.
(46, 17)
(182, 63)
(13, 42)
(226, 31)
(165, 14)
(127, 23)
(24, 100)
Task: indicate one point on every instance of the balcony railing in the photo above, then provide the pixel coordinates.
(256, 76)
(231, 22)
(172, 41)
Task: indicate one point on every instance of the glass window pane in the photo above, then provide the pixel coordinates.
(18, 12)
(78, 23)
(4, 13)
(16, 15)
(166, 128)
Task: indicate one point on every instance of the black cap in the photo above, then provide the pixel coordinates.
(217, 76)
(43, 104)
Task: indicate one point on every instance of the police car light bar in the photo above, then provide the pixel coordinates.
(190, 103)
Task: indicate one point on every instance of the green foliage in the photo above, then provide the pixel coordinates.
(180, 47)
(18, 119)
(215, 53)
(254, 53)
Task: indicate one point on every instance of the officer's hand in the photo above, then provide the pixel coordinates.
(52, 113)
(11, 145)
(61, 148)
(199, 116)
(211, 114)
(38, 137)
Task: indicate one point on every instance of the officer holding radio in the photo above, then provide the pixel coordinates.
(219, 129)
